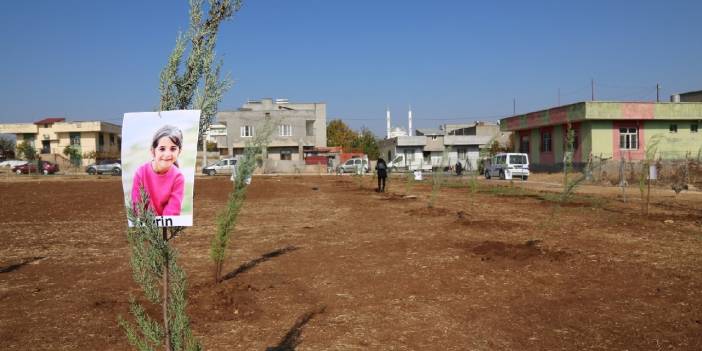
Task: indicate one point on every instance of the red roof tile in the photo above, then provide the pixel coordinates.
(50, 120)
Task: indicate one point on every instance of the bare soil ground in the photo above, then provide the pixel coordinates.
(326, 263)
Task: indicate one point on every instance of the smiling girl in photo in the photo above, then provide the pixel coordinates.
(160, 177)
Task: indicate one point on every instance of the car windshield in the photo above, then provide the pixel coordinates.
(517, 159)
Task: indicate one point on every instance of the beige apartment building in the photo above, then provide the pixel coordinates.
(298, 127)
(50, 136)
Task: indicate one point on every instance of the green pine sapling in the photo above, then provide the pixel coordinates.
(570, 185)
(437, 179)
(649, 158)
(153, 258)
(226, 221)
(409, 181)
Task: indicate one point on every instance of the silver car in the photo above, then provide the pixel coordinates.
(113, 167)
(223, 166)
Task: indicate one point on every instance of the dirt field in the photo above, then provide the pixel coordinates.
(326, 263)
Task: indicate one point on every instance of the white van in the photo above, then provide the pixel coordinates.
(399, 163)
(354, 166)
(508, 166)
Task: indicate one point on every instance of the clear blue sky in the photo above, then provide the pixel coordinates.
(453, 61)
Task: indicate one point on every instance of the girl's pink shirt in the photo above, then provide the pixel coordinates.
(165, 190)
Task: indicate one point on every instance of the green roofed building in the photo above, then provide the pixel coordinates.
(607, 129)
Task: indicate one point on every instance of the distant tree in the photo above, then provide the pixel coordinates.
(26, 151)
(7, 147)
(496, 148)
(367, 143)
(73, 154)
(339, 134)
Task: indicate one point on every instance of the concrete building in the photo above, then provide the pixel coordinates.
(398, 131)
(297, 127)
(49, 136)
(690, 96)
(214, 131)
(607, 129)
(444, 146)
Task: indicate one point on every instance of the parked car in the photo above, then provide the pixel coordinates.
(508, 166)
(223, 166)
(353, 165)
(46, 168)
(12, 163)
(113, 167)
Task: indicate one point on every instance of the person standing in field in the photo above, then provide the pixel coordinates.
(382, 172)
(161, 178)
(459, 168)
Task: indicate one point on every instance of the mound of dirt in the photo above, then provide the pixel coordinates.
(398, 197)
(428, 211)
(224, 302)
(530, 250)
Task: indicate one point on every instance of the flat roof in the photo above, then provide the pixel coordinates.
(604, 110)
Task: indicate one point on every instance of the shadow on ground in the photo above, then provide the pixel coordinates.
(253, 263)
(292, 338)
(16, 266)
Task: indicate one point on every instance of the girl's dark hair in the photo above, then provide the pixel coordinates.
(173, 133)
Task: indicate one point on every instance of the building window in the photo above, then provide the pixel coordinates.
(101, 139)
(673, 128)
(45, 147)
(409, 155)
(524, 144)
(693, 128)
(545, 141)
(628, 138)
(74, 139)
(309, 126)
(112, 139)
(29, 138)
(286, 155)
(285, 130)
(247, 131)
(462, 153)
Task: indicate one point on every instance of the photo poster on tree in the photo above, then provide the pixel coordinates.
(158, 154)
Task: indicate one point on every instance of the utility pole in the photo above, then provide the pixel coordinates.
(592, 87)
(658, 92)
(559, 97)
(514, 107)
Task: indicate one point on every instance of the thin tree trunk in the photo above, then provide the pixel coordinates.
(218, 271)
(165, 297)
(204, 152)
(648, 195)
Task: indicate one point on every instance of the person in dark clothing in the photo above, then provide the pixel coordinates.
(382, 170)
(459, 168)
